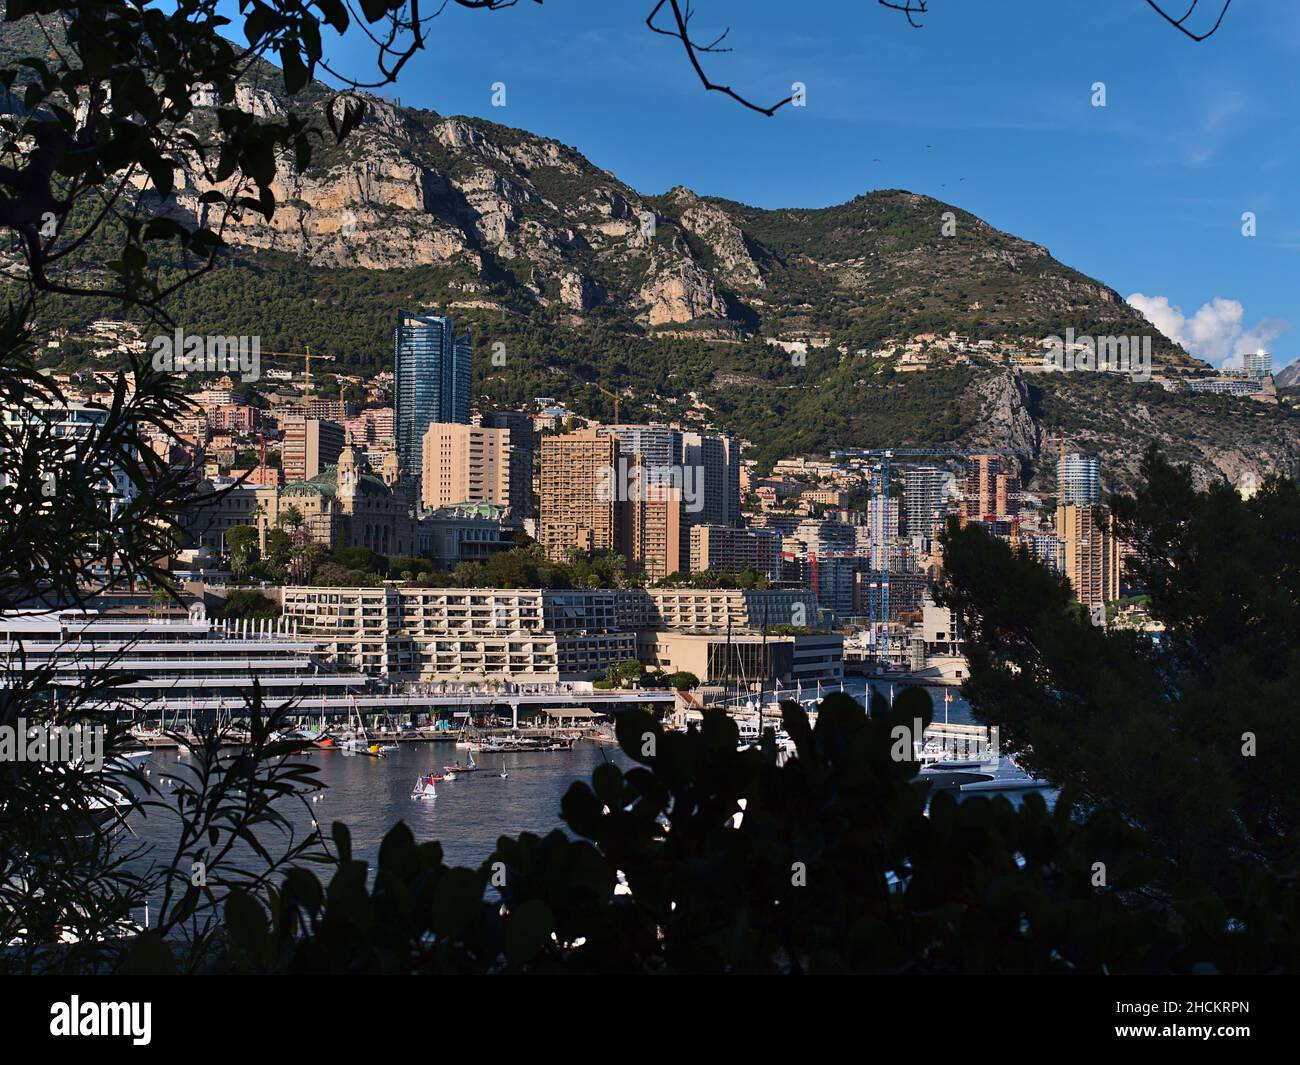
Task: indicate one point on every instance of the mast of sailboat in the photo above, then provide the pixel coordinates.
(762, 685)
(726, 689)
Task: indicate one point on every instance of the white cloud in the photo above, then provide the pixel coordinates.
(1216, 332)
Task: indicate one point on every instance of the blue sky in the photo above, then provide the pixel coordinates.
(989, 107)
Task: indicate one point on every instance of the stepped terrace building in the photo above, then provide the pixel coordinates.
(714, 609)
(534, 635)
(432, 634)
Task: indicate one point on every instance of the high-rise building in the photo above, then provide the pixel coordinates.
(658, 446)
(579, 505)
(431, 381)
(658, 537)
(705, 465)
(831, 575)
(464, 464)
(1090, 554)
(923, 498)
(726, 549)
(817, 536)
(1258, 365)
(520, 426)
(1078, 480)
(310, 445)
(717, 457)
(990, 487)
(882, 528)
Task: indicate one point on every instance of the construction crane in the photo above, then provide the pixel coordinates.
(304, 354)
(617, 401)
(880, 578)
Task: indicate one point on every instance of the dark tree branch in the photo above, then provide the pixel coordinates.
(1180, 22)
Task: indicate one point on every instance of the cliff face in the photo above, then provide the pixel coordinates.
(1115, 421)
(412, 188)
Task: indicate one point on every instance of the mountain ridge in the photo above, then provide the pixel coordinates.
(693, 307)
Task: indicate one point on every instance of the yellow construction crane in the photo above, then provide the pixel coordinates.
(305, 354)
(615, 397)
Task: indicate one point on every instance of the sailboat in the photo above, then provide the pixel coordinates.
(359, 742)
(425, 787)
(468, 767)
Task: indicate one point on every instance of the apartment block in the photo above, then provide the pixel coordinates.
(991, 482)
(431, 634)
(522, 452)
(1078, 480)
(576, 509)
(725, 549)
(465, 464)
(658, 541)
(233, 418)
(713, 609)
(1090, 554)
(309, 445)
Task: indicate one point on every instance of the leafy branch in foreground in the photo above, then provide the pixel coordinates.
(1188, 735)
(706, 858)
(87, 507)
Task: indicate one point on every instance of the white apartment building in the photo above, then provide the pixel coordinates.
(432, 634)
(712, 609)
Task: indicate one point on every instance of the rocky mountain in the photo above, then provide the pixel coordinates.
(769, 322)
(529, 224)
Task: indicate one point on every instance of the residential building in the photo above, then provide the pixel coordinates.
(1090, 555)
(478, 634)
(725, 549)
(522, 453)
(817, 537)
(309, 446)
(717, 457)
(332, 410)
(579, 508)
(1258, 365)
(465, 464)
(233, 418)
(923, 498)
(991, 482)
(714, 609)
(658, 540)
(1078, 480)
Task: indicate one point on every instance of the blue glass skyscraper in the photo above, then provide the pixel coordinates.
(431, 380)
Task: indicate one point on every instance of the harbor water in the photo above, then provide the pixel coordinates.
(470, 811)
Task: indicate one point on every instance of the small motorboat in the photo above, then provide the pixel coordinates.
(127, 759)
(941, 765)
(388, 748)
